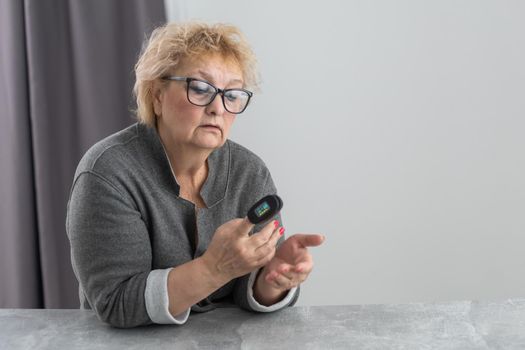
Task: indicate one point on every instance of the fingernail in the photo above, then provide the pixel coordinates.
(275, 223)
(281, 231)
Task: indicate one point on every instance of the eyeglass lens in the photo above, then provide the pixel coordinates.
(201, 93)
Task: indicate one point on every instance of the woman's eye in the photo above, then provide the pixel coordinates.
(234, 95)
(201, 88)
(231, 97)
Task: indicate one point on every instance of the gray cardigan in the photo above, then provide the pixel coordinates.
(125, 219)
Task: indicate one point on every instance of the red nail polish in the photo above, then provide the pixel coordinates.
(275, 223)
(281, 230)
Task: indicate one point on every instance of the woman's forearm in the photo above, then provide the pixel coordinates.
(264, 293)
(191, 282)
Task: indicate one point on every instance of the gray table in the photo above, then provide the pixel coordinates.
(454, 325)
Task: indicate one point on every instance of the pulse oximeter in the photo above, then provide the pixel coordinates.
(265, 209)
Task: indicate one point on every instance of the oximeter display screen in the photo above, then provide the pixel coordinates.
(262, 209)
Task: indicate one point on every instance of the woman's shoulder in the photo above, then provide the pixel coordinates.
(249, 176)
(107, 152)
(242, 155)
(245, 161)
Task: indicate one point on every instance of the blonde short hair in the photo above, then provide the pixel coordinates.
(172, 42)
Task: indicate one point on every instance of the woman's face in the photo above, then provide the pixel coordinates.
(193, 126)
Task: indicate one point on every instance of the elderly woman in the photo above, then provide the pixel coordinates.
(157, 212)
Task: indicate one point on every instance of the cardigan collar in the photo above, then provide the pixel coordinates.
(214, 188)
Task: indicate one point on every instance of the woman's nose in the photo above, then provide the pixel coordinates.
(216, 107)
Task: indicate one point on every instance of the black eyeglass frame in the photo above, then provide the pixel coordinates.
(188, 80)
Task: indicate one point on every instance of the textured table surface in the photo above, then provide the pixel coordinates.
(452, 325)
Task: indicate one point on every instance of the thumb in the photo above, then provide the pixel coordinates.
(310, 240)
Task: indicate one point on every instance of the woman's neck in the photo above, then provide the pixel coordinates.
(189, 166)
(186, 160)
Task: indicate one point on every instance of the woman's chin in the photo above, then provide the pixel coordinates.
(209, 143)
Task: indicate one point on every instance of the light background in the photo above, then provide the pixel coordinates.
(397, 129)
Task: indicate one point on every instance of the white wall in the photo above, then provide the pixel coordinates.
(396, 128)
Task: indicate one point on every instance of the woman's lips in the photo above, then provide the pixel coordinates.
(211, 127)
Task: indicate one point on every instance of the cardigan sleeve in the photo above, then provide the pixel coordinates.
(110, 250)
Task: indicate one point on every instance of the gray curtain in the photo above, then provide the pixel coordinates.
(66, 74)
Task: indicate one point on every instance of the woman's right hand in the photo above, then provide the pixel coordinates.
(232, 252)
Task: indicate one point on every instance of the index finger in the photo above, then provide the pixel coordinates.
(245, 227)
(264, 235)
(310, 240)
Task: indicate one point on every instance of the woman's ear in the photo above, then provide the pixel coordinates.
(157, 93)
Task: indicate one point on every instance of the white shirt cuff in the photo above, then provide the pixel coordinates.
(157, 299)
(261, 308)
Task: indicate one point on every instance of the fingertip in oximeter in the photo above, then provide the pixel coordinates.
(265, 209)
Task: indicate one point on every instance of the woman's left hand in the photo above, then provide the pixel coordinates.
(292, 263)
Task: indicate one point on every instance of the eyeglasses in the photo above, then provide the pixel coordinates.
(201, 93)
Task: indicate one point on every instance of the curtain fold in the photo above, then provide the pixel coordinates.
(66, 69)
(19, 254)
